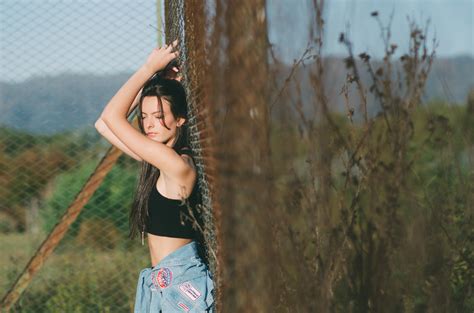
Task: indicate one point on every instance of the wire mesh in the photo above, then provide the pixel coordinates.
(61, 61)
(186, 21)
(225, 49)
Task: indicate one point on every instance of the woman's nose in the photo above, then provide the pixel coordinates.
(149, 123)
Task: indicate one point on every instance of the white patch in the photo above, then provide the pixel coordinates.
(190, 291)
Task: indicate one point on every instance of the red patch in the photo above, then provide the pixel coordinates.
(162, 278)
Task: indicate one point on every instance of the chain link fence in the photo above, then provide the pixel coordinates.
(61, 61)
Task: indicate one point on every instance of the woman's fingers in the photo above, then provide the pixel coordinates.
(169, 47)
(172, 45)
(173, 55)
(161, 56)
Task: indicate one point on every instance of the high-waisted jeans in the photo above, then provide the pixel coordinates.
(180, 282)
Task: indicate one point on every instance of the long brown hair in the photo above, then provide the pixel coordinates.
(173, 91)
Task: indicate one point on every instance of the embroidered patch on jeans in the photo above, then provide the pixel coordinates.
(190, 291)
(163, 277)
(183, 306)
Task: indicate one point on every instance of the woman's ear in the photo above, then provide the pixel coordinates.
(180, 121)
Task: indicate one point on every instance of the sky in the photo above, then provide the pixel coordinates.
(451, 21)
(47, 37)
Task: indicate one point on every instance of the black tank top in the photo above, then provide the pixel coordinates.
(164, 214)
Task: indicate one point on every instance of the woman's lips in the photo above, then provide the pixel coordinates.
(151, 134)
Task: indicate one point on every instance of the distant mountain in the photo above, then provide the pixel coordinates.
(46, 105)
(51, 104)
(449, 80)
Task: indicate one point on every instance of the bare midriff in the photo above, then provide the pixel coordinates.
(161, 246)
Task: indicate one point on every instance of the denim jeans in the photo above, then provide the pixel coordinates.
(180, 282)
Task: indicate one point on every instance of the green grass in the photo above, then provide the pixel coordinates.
(75, 280)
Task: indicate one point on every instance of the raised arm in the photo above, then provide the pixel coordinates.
(104, 130)
(114, 116)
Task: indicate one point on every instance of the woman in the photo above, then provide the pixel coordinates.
(179, 280)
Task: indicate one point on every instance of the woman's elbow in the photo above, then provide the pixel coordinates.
(99, 124)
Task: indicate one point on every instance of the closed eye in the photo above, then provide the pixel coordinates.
(159, 116)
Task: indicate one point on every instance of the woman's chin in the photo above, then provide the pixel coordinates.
(154, 138)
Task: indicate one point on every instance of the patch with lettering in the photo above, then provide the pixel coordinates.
(162, 277)
(183, 306)
(189, 290)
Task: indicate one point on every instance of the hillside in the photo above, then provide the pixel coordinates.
(46, 105)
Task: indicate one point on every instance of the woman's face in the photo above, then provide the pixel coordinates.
(152, 120)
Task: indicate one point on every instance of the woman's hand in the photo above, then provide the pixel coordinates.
(160, 57)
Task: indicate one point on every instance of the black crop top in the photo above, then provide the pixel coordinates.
(164, 214)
